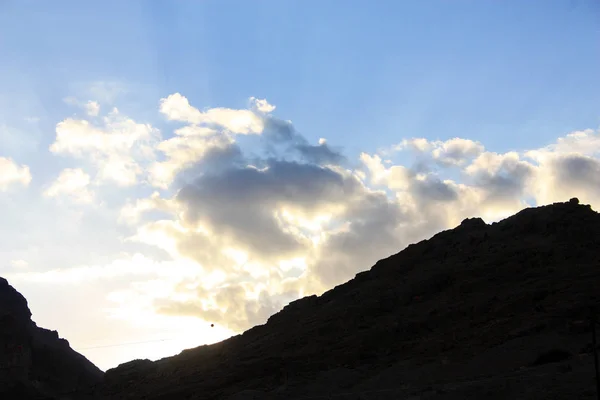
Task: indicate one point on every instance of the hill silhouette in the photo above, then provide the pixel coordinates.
(497, 311)
(34, 362)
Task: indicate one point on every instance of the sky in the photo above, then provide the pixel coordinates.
(165, 166)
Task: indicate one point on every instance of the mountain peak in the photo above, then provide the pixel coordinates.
(35, 362)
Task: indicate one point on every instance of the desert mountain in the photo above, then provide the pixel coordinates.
(34, 362)
(496, 311)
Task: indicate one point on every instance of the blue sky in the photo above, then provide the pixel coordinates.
(368, 77)
(359, 73)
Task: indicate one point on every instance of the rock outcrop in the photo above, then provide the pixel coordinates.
(479, 311)
(35, 362)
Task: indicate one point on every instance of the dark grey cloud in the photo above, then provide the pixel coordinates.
(214, 160)
(573, 175)
(374, 232)
(506, 182)
(240, 202)
(578, 169)
(321, 154)
(279, 133)
(433, 189)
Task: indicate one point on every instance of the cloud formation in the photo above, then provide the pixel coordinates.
(262, 221)
(116, 149)
(177, 108)
(72, 183)
(261, 105)
(13, 174)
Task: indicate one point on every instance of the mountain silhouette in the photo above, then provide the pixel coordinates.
(498, 311)
(34, 362)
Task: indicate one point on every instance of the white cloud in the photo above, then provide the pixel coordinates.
(71, 183)
(491, 163)
(116, 148)
(177, 108)
(416, 144)
(92, 108)
(395, 177)
(261, 105)
(132, 211)
(585, 142)
(13, 174)
(456, 151)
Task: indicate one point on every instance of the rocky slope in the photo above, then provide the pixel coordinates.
(34, 362)
(494, 311)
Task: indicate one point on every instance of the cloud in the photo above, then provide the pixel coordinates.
(234, 306)
(248, 218)
(452, 152)
(456, 151)
(271, 215)
(503, 177)
(12, 174)
(585, 142)
(570, 165)
(132, 211)
(281, 137)
(208, 141)
(372, 229)
(261, 105)
(426, 187)
(414, 144)
(242, 201)
(177, 108)
(266, 218)
(92, 108)
(578, 170)
(73, 184)
(321, 154)
(187, 149)
(116, 148)
(576, 174)
(433, 188)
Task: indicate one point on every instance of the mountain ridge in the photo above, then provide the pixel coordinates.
(436, 306)
(454, 316)
(35, 362)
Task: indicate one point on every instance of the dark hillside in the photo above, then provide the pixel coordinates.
(461, 315)
(34, 362)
